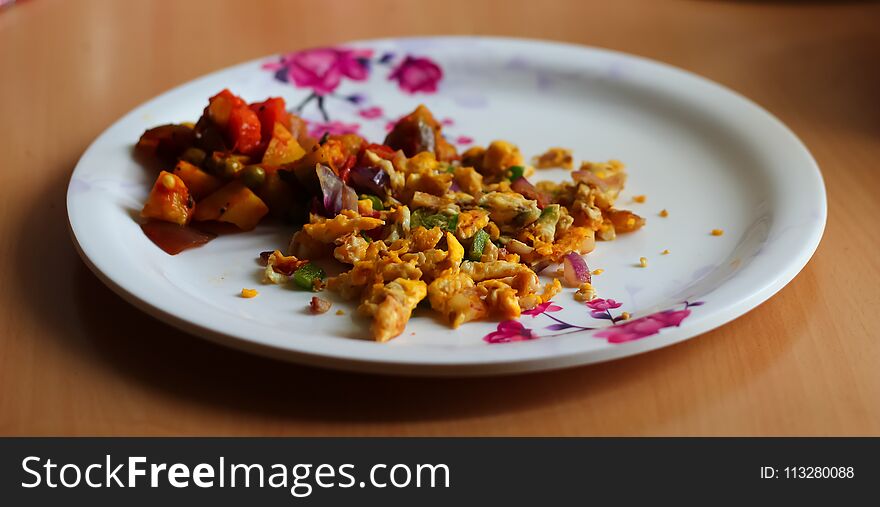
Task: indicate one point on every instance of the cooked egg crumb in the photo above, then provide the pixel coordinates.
(625, 316)
(665, 252)
(640, 198)
(643, 262)
(598, 271)
(664, 213)
(717, 232)
(340, 312)
(249, 293)
(585, 292)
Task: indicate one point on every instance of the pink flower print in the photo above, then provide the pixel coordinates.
(601, 308)
(317, 129)
(509, 331)
(464, 140)
(447, 122)
(542, 308)
(370, 113)
(416, 74)
(642, 327)
(603, 304)
(322, 69)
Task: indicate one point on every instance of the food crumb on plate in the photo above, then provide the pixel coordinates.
(585, 292)
(665, 252)
(625, 316)
(640, 198)
(643, 262)
(664, 213)
(319, 305)
(717, 232)
(598, 271)
(249, 293)
(340, 312)
(554, 157)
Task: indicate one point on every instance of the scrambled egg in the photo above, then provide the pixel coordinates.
(457, 234)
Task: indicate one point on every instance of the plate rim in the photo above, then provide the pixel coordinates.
(482, 367)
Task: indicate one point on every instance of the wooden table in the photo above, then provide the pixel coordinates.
(77, 360)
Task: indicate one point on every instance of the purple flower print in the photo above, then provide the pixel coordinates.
(317, 129)
(644, 326)
(542, 308)
(510, 331)
(417, 74)
(371, 113)
(603, 304)
(322, 69)
(601, 308)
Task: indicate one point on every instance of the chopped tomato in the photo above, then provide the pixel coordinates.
(270, 111)
(220, 107)
(380, 150)
(345, 168)
(244, 130)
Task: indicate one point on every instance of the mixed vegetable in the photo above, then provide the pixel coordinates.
(411, 218)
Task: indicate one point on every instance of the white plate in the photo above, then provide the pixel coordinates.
(709, 156)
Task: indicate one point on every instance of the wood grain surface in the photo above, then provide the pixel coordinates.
(77, 360)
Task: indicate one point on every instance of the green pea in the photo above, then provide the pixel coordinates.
(194, 156)
(253, 176)
(231, 167)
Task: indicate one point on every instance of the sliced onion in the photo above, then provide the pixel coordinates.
(518, 247)
(575, 270)
(370, 180)
(337, 195)
(522, 186)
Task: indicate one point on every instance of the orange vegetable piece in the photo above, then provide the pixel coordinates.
(197, 181)
(282, 148)
(233, 203)
(220, 107)
(243, 130)
(169, 200)
(271, 111)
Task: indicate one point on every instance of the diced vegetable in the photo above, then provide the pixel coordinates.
(282, 148)
(253, 176)
(198, 182)
(309, 277)
(271, 111)
(337, 196)
(220, 107)
(169, 200)
(243, 130)
(478, 244)
(285, 201)
(233, 203)
(376, 202)
(372, 180)
(575, 270)
(194, 156)
(516, 172)
(166, 141)
(424, 218)
(522, 186)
